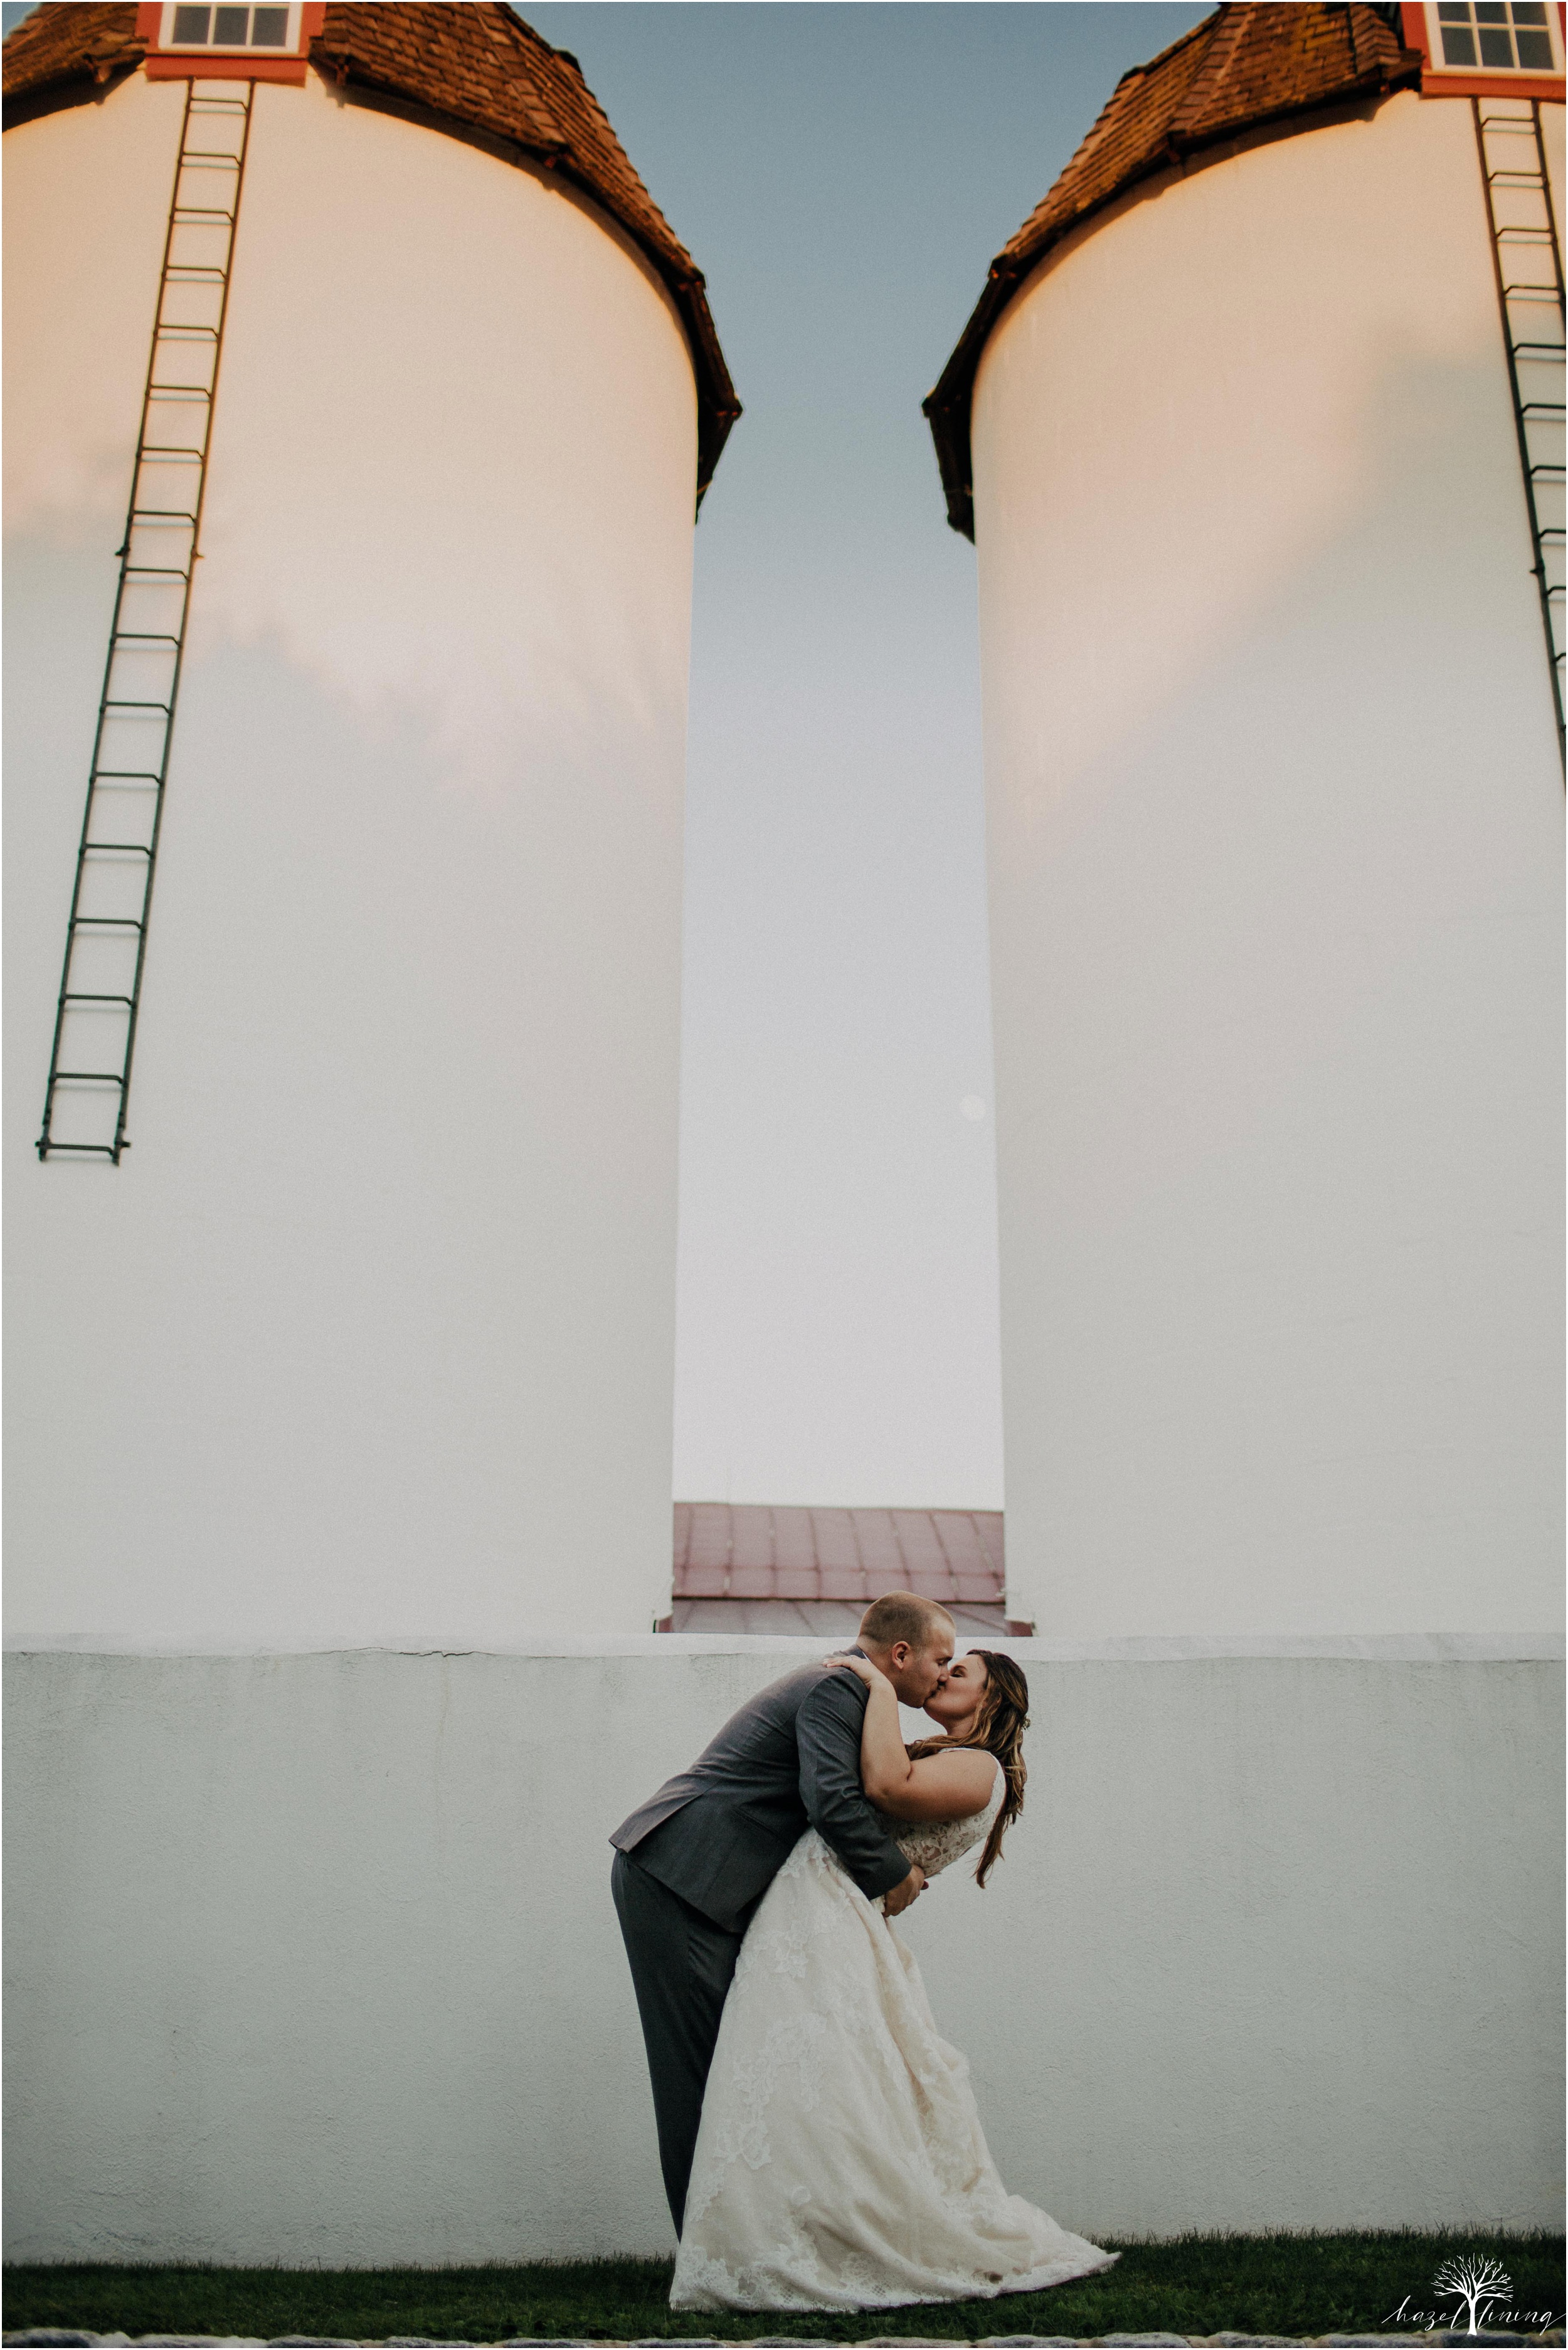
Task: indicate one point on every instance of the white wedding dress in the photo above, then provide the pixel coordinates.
(840, 2162)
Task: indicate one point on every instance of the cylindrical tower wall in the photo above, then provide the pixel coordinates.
(370, 1335)
(1274, 822)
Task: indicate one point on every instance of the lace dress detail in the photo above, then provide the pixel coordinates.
(934, 1845)
(841, 2163)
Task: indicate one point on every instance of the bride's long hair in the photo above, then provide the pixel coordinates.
(998, 1725)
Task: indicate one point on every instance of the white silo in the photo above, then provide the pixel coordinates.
(344, 1312)
(1257, 428)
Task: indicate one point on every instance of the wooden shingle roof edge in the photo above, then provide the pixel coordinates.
(477, 72)
(1252, 63)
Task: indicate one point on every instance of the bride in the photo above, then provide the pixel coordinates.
(840, 2162)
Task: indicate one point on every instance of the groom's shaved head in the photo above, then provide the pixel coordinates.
(904, 1615)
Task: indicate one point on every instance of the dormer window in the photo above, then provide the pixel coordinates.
(224, 44)
(1496, 36)
(1476, 49)
(272, 28)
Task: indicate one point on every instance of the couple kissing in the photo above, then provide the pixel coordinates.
(819, 2140)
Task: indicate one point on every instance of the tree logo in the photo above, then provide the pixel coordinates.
(1480, 2287)
(1478, 2284)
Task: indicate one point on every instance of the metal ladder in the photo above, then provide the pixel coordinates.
(106, 937)
(1528, 260)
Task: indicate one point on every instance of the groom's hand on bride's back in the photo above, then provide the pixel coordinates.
(902, 1895)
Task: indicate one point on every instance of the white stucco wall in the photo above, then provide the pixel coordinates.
(372, 1333)
(1274, 837)
(313, 1958)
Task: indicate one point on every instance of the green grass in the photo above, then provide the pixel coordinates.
(1279, 2284)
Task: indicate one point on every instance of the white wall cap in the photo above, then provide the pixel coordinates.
(1190, 1648)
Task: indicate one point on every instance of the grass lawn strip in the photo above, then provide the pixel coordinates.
(1217, 2289)
(38, 2338)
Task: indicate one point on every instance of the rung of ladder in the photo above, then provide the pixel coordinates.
(77, 996)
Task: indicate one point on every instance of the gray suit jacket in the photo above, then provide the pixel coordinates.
(718, 1833)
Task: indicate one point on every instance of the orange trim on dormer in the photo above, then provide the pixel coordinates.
(1440, 84)
(228, 64)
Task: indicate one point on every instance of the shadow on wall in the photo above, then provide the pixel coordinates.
(399, 993)
(1301, 924)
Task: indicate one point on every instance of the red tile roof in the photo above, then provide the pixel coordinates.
(461, 65)
(726, 1550)
(1245, 65)
(745, 1568)
(70, 43)
(834, 1621)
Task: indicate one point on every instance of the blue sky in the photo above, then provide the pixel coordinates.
(843, 174)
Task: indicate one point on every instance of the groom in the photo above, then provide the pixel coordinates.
(692, 1864)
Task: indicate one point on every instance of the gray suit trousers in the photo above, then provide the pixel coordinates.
(680, 1968)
